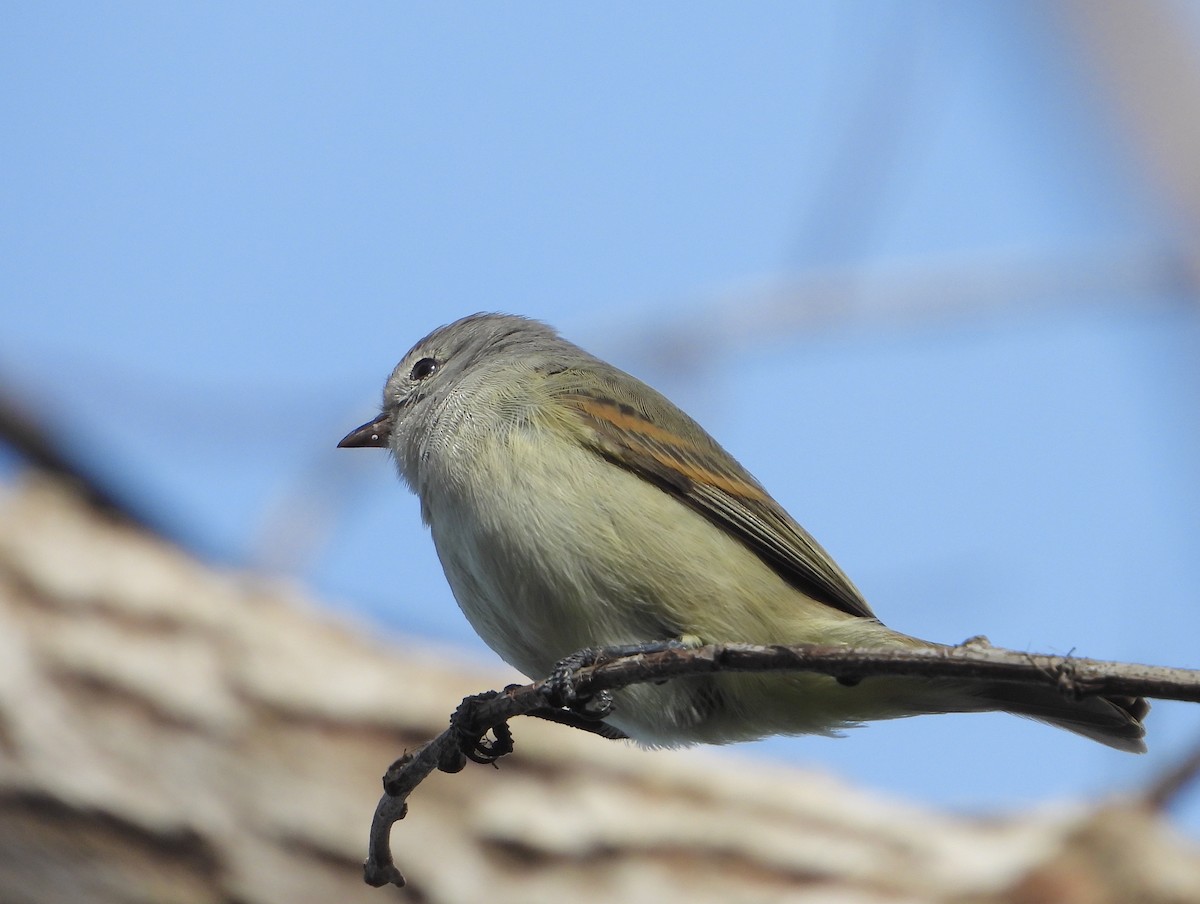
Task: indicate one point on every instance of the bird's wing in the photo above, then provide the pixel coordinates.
(639, 437)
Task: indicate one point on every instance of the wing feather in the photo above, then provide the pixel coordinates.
(689, 464)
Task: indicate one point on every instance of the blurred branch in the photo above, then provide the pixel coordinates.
(40, 445)
(1145, 59)
(1172, 784)
(477, 715)
(908, 294)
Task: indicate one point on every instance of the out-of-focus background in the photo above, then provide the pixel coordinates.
(929, 270)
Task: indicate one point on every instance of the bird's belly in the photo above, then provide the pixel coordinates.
(553, 553)
(541, 561)
(547, 559)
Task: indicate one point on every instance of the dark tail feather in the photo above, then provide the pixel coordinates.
(1113, 721)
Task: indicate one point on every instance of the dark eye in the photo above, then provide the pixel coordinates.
(423, 368)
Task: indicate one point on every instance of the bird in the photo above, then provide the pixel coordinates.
(572, 506)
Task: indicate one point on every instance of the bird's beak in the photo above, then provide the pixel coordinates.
(374, 434)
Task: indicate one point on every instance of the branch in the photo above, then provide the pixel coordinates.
(608, 670)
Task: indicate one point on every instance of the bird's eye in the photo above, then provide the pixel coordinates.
(423, 368)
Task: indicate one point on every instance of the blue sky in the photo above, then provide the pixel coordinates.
(222, 224)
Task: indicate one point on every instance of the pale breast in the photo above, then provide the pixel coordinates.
(551, 548)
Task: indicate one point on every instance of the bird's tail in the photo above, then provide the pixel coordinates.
(1113, 721)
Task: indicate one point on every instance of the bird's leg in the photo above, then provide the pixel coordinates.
(473, 742)
(562, 686)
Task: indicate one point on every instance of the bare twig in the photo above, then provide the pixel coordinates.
(450, 750)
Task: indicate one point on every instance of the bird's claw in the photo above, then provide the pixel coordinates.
(474, 744)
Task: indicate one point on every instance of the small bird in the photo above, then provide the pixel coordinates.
(572, 506)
